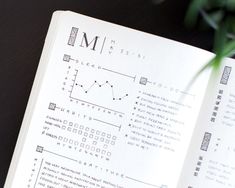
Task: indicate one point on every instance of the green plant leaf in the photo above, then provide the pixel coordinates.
(213, 18)
(193, 10)
(230, 5)
(229, 49)
(220, 15)
(216, 3)
(220, 40)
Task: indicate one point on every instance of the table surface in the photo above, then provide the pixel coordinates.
(23, 27)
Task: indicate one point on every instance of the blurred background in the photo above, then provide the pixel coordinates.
(23, 28)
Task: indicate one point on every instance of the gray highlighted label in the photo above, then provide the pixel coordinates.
(206, 141)
(73, 36)
(225, 75)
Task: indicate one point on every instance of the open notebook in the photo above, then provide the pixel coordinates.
(111, 107)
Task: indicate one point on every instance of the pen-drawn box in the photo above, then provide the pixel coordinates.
(52, 106)
(143, 81)
(66, 58)
(39, 149)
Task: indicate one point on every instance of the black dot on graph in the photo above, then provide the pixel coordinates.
(76, 84)
(120, 98)
(107, 81)
(126, 94)
(95, 81)
(99, 85)
(85, 91)
(81, 85)
(113, 98)
(111, 85)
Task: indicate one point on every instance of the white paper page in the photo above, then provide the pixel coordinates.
(108, 112)
(211, 160)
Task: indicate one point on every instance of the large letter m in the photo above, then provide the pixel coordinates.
(87, 43)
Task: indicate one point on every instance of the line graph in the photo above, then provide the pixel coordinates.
(100, 85)
(100, 88)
